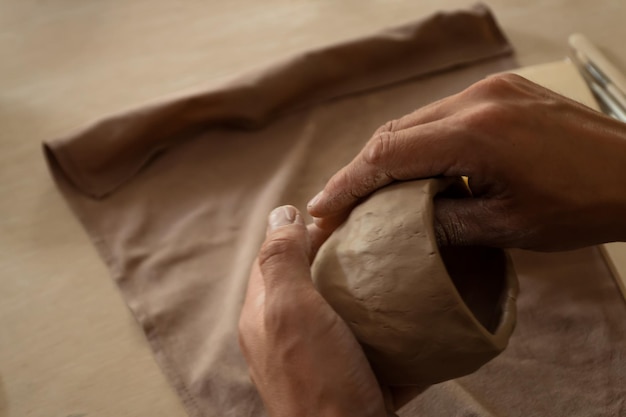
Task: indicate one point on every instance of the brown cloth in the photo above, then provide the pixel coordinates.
(175, 196)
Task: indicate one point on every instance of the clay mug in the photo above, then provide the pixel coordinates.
(423, 314)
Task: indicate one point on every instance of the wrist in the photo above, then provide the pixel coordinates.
(620, 215)
(613, 212)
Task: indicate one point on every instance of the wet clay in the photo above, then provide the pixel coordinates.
(423, 314)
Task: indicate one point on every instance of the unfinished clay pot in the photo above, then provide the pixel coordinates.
(423, 314)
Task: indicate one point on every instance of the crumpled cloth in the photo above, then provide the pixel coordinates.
(175, 197)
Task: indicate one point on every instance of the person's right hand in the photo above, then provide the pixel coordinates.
(546, 173)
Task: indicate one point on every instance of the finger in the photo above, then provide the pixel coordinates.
(422, 151)
(284, 256)
(332, 222)
(318, 237)
(465, 222)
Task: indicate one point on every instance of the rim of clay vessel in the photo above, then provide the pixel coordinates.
(506, 323)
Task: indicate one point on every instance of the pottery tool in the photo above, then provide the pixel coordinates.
(605, 81)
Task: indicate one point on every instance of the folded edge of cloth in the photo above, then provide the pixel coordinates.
(102, 157)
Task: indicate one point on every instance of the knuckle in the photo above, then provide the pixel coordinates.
(487, 116)
(387, 127)
(286, 314)
(498, 85)
(379, 148)
(505, 78)
(371, 167)
(274, 250)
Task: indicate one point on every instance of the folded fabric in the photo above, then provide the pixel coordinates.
(175, 197)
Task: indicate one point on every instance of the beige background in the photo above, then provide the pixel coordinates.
(68, 344)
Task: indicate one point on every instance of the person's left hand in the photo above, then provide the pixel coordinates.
(302, 357)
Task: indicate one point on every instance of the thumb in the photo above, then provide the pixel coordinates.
(284, 256)
(464, 222)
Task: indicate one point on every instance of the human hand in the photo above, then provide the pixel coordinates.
(303, 358)
(546, 173)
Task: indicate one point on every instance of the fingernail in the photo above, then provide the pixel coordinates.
(282, 216)
(315, 199)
